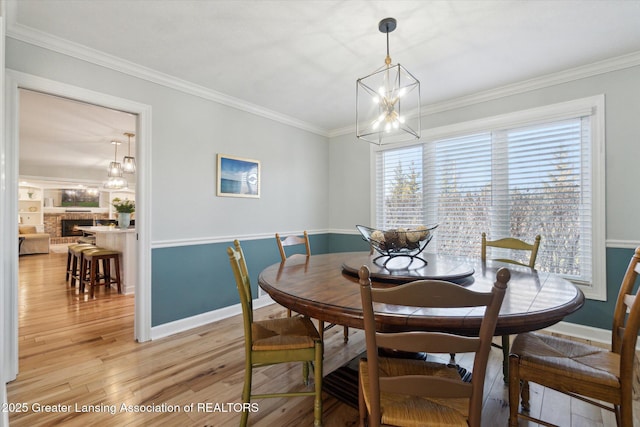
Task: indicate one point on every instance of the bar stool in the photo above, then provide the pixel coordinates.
(90, 269)
(74, 262)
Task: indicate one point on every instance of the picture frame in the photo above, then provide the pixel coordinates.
(238, 177)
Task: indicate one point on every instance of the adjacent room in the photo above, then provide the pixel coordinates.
(319, 212)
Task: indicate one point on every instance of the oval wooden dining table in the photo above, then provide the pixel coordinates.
(325, 287)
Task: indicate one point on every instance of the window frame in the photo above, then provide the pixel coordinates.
(594, 107)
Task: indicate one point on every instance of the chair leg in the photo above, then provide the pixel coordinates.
(68, 265)
(345, 331)
(107, 270)
(72, 268)
(506, 346)
(514, 390)
(317, 404)
(94, 269)
(246, 394)
(626, 411)
(76, 269)
(84, 265)
(618, 414)
(525, 396)
(118, 278)
(362, 407)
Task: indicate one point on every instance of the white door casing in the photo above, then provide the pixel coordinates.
(9, 198)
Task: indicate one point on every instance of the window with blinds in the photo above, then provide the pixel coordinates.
(515, 181)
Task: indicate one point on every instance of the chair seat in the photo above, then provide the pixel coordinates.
(568, 359)
(406, 410)
(100, 252)
(287, 333)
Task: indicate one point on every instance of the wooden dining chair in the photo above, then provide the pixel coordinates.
(272, 341)
(410, 392)
(290, 241)
(521, 247)
(512, 244)
(583, 371)
(294, 240)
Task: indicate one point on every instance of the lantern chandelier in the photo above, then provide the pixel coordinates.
(388, 101)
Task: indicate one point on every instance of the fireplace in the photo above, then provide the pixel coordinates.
(69, 226)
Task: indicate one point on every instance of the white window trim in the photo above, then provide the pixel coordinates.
(594, 106)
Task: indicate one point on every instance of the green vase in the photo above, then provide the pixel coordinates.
(124, 219)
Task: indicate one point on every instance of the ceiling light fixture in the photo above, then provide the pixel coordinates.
(115, 168)
(129, 162)
(116, 183)
(388, 101)
(115, 180)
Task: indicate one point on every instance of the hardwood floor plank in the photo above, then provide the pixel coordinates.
(77, 351)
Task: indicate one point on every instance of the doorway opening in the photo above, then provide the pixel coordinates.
(16, 82)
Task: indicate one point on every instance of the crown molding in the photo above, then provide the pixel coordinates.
(565, 76)
(47, 41)
(572, 74)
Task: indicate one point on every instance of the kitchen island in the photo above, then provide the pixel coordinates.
(124, 241)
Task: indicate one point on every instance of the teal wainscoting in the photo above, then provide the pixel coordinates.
(347, 243)
(192, 280)
(599, 314)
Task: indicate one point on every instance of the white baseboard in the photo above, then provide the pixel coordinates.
(583, 332)
(598, 335)
(182, 325)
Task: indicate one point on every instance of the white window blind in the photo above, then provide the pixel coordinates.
(516, 182)
(399, 186)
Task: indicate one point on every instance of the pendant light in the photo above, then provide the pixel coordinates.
(115, 180)
(116, 183)
(115, 168)
(129, 162)
(388, 101)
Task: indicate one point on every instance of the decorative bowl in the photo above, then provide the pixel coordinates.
(400, 241)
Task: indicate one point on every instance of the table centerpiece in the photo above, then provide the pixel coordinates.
(398, 242)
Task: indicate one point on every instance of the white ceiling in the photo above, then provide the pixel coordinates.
(301, 59)
(58, 133)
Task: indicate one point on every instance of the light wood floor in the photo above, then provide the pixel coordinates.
(75, 352)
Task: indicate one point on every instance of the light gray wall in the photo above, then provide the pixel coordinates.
(187, 133)
(350, 189)
(622, 109)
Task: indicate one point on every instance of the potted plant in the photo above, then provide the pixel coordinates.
(124, 208)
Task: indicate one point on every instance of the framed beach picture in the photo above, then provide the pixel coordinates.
(238, 177)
